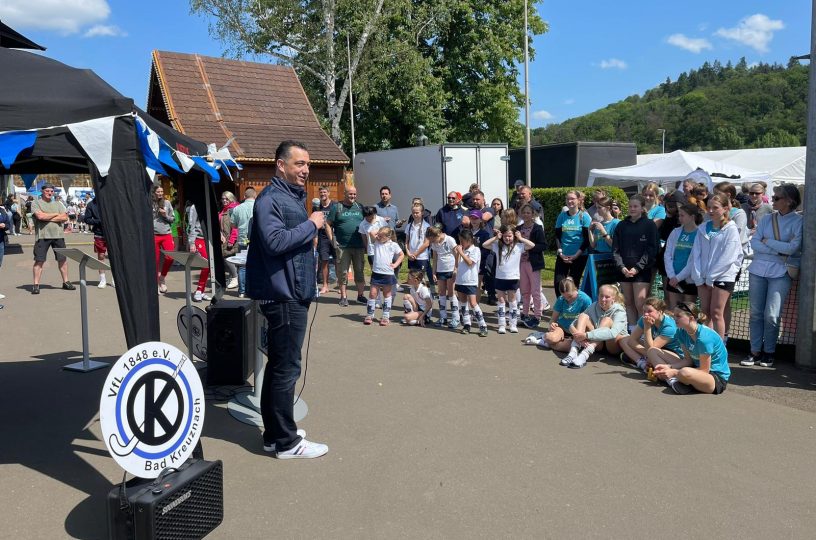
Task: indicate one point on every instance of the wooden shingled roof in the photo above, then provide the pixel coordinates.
(214, 99)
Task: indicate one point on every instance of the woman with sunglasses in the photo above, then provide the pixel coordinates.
(756, 208)
(703, 365)
(778, 238)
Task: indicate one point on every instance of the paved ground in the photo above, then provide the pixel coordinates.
(432, 435)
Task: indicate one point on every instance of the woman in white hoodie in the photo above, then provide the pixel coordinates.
(716, 259)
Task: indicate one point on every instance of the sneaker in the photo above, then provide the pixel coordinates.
(580, 360)
(68, 286)
(678, 387)
(454, 324)
(162, 286)
(102, 284)
(483, 331)
(384, 322)
(542, 344)
(567, 360)
(2, 296)
(465, 330)
(199, 296)
(343, 302)
(626, 361)
(642, 364)
(441, 322)
(362, 299)
(513, 329)
(767, 360)
(35, 289)
(752, 360)
(270, 447)
(545, 305)
(367, 321)
(242, 295)
(304, 450)
(501, 330)
(232, 283)
(530, 322)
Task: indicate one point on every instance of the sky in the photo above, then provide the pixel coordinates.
(595, 53)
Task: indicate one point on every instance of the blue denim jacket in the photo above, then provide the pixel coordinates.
(280, 262)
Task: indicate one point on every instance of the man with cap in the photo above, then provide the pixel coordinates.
(49, 216)
(515, 197)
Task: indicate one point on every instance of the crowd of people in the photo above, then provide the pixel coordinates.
(695, 238)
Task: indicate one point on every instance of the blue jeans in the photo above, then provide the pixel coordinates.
(2, 248)
(767, 296)
(242, 273)
(287, 328)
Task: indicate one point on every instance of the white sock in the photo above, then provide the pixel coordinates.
(500, 313)
(387, 308)
(443, 306)
(465, 316)
(513, 314)
(573, 352)
(406, 305)
(371, 307)
(455, 307)
(477, 312)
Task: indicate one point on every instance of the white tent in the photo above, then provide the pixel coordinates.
(784, 164)
(669, 169)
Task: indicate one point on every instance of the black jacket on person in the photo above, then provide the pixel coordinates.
(536, 254)
(92, 218)
(635, 244)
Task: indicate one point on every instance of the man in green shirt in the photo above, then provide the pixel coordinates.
(241, 217)
(344, 218)
(49, 216)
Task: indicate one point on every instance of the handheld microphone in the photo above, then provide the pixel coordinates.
(315, 205)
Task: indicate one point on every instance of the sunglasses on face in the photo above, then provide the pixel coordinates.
(755, 193)
(776, 198)
(451, 198)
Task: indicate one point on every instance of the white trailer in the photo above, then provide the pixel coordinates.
(431, 172)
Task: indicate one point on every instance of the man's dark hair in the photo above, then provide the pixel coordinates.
(385, 187)
(321, 188)
(369, 211)
(284, 149)
(478, 192)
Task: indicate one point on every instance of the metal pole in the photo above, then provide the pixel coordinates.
(806, 334)
(351, 101)
(527, 167)
(83, 311)
(209, 233)
(663, 134)
(188, 272)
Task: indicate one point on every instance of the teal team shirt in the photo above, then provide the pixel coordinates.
(708, 342)
(600, 244)
(572, 230)
(657, 212)
(682, 250)
(666, 328)
(567, 313)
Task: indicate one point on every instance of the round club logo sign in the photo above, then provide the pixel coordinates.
(152, 409)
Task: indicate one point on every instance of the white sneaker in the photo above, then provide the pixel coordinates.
(513, 329)
(102, 283)
(270, 447)
(567, 360)
(233, 283)
(304, 450)
(199, 296)
(501, 330)
(2, 296)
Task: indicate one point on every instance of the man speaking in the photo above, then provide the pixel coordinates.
(280, 274)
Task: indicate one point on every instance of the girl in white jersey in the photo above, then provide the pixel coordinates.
(418, 302)
(467, 282)
(387, 255)
(444, 272)
(511, 244)
(415, 238)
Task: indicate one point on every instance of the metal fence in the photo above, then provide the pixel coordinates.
(741, 309)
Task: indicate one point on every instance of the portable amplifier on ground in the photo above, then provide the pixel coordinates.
(182, 503)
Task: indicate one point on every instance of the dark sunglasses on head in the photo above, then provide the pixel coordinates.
(683, 306)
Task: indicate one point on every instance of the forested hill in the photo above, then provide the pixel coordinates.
(715, 107)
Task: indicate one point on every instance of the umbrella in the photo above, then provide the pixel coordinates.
(11, 39)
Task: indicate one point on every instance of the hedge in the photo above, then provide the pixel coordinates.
(552, 201)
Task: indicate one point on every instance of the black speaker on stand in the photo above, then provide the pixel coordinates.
(228, 342)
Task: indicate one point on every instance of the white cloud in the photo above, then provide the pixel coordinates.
(104, 30)
(64, 16)
(756, 31)
(613, 63)
(542, 115)
(694, 45)
(569, 101)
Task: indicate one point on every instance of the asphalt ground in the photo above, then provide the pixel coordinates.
(432, 434)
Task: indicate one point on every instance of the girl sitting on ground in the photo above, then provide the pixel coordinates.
(655, 330)
(387, 255)
(704, 364)
(567, 308)
(602, 325)
(418, 302)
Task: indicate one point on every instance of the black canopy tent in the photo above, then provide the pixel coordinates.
(12, 39)
(43, 94)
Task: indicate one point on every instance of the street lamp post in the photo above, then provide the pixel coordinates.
(527, 170)
(663, 133)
